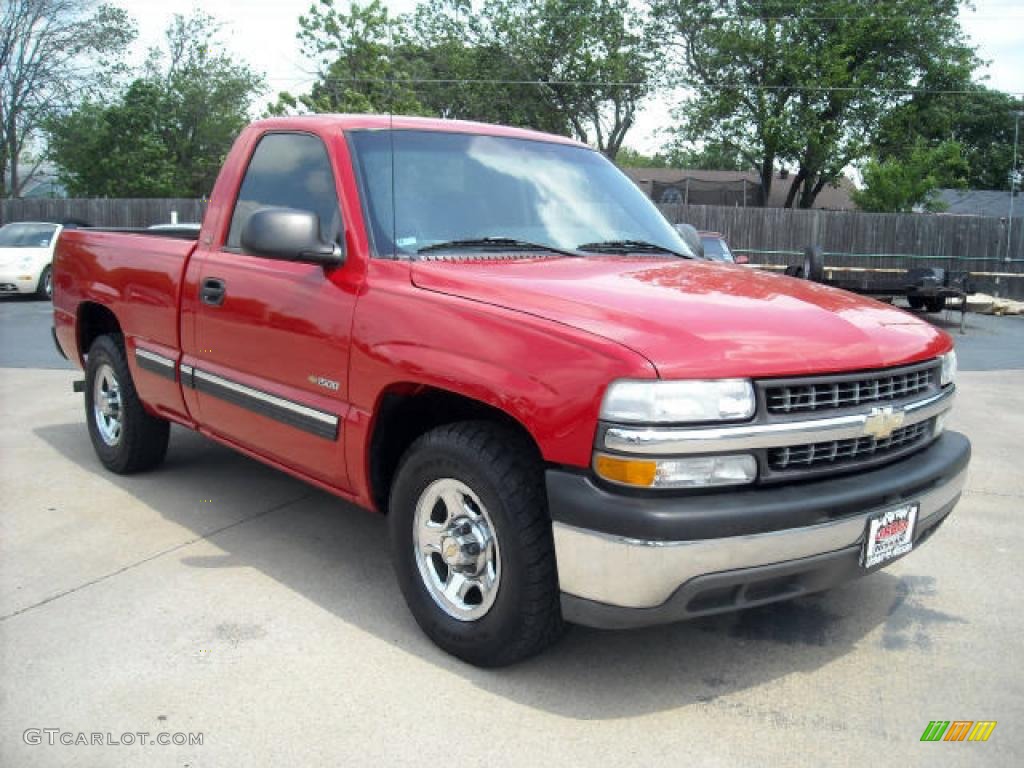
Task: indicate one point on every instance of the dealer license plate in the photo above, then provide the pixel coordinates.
(890, 535)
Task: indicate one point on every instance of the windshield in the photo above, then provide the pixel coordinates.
(457, 187)
(27, 235)
(716, 249)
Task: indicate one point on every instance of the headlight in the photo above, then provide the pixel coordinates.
(702, 472)
(948, 367)
(659, 402)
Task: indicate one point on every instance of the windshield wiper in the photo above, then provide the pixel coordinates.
(629, 246)
(499, 243)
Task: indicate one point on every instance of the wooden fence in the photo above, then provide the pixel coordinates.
(103, 212)
(875, 241)
(773, 236)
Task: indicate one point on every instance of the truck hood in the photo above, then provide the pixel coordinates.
(696, 318)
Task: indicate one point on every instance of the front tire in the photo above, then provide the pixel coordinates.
(471, 543)
(125, 437)
(44, 289)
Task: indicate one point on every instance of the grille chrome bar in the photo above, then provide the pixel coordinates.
(839, 453)
(824, 393)
(656, 441)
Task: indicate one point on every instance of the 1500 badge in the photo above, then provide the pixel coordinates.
(320, 381)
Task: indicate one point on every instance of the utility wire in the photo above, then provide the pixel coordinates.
(627, 83)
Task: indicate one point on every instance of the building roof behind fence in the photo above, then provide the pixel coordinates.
(980, 202)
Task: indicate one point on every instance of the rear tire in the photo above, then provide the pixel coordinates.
(471, 543)
(916, 302)
(125, 437)
(935, 304)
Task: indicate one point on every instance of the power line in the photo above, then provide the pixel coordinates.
(632, 84)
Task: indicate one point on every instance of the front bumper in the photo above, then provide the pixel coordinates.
(13, 282)
(626, 561)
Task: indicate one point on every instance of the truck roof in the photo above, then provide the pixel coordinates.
(406, 123)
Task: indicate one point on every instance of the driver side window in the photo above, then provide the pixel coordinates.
(288, 170)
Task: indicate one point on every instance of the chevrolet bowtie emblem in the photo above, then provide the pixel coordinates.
(883, 421)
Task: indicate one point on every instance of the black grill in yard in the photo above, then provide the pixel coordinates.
(836, 392)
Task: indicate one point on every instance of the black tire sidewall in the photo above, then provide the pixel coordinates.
(105, 350)
(475, 641)
(46, 274)
(144, 437)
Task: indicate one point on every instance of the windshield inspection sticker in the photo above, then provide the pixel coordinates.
(890, 534)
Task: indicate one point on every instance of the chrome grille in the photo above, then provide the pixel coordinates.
(837, 453)
(833, 393)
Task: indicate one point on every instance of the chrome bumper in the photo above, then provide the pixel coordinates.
(633, 573)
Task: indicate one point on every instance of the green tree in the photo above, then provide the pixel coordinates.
(167, 133)
(804, 82)
(631, 158)
(901, 184)
(358, 69)
(592, 60)
(708, 157)
(463, 72)
(979, 119)
(207, 94)
(568, 66)
(51, 52)
(116, 150)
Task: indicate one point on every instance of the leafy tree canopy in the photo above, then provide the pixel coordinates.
(51, 52)
(979, 119)
(571, 66)
(167, 133)
(908, 182)
(804, 82)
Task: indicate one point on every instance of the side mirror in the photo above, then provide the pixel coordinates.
(692, 238)
(291, 235)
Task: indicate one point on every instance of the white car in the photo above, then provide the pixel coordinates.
(26, 253)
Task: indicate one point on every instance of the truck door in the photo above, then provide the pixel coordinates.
(268, 357)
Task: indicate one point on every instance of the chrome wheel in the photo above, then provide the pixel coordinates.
(48, 284)
(106, 405)
(456, 549)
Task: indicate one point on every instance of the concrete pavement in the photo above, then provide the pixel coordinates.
(216, 595)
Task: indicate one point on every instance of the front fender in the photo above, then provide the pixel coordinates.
(550, 378)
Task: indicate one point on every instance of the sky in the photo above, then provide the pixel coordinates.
(263, 33)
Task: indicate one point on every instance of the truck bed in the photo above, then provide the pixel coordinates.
(136, 274)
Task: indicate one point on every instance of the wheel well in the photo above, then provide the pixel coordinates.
(94, 320)
(403, 416)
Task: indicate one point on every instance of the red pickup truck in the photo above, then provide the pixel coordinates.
(492, 337)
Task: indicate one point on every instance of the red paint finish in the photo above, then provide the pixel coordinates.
(537, 338)
(138, 278)
(699, 319)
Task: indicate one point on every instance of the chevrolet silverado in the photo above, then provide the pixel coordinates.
(491, 336)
